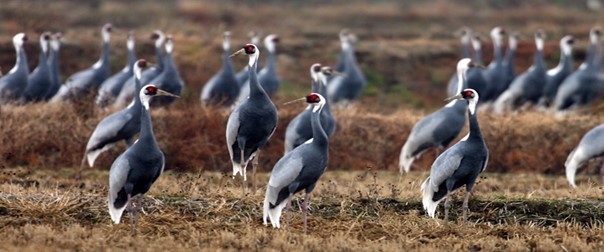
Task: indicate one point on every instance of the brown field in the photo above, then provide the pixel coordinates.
(407, 50)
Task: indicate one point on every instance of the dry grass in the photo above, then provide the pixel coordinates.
(193, 138)
(407, 50)
(349, 211)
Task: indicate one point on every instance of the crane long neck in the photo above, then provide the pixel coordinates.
(255, 89)
(318, 133)
(43, 58)
(21, 58)
(465, 50)
(159, 56)
(538, 61)
(498, 52)
(137, 88)
(477, 57)
(105, 53)
(131, 58)
(473, 119)
(147, 135)
(271, 60)
(590, 58)
(509, 55)
(227, 65)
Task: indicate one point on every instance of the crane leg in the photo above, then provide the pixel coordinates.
(289, 209)
(78, 176)
(254, 165)
(305, 209)
(447, 207)
(465, 207)
(137, 210)
(602, 172)
(131, 215)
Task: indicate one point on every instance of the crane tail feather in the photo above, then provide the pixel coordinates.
(116, 213)
(572, 165)
(92, 155)
(273, 214)
(405, 160)
(427, 200)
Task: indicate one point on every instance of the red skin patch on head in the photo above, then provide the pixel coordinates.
(468, 94)
(316, 69)
(151, 90)
(249, 49)
(313, 98)
(142, 63)
(154, 35)
(24, 38)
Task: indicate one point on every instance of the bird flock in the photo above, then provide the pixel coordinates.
(253, 118)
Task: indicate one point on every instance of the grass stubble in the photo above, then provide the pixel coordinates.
(349, 211)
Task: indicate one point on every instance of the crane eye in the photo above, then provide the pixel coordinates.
(276, 39)
(313, 98)
(151, 90)
(154, 35)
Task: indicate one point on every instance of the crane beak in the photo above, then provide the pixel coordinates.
(477, 66)
(164, 93)
(456, 97)
(336, 73)
(294, 101)
(237, 53)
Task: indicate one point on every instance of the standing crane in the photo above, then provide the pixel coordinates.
(134, 171)
(252, 123)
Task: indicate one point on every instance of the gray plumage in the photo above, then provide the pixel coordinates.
(112, 86)
(169, 79)
(556, 75)
(268, 76)
(458, 166)
(135, 170)
(466, 35)
(495, 73)
(344, 45)
(350, 84)
(86, 81)
(13, 83)
(438, 129)
(475, 76)
(298, 170)
(527, 87)
(222, 88)
(53, 64)
(590, 146)
(583, 85)
(508, 61)
(121, 125)
(253, 121)
(127, 93)
(299, 129)
(39, 81)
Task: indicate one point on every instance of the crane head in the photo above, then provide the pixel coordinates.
(152, 90)
(107, 27)
(466, 94)
(317, 100)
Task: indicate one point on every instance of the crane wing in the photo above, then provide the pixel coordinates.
(444, 166)
(284, 173)
(108, 128)
(232, 130)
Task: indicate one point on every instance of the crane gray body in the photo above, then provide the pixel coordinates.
(13, 83)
